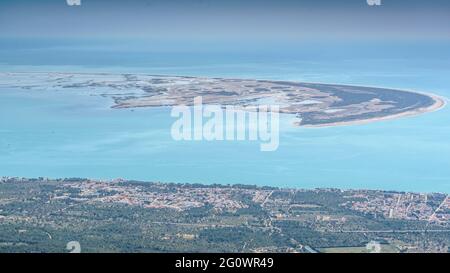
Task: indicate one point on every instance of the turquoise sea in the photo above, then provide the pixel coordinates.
(62, 134)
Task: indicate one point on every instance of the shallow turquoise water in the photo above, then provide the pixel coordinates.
(56, 134)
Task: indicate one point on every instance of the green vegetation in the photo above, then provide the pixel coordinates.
(42, 215)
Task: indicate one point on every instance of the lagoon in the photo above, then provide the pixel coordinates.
(62, 134)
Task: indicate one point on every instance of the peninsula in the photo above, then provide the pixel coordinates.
(316, 104)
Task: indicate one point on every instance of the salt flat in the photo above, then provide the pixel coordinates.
(316, 104)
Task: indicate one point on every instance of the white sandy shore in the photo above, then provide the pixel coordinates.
(440, 103)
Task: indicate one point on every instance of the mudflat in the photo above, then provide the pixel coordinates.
(316, 104)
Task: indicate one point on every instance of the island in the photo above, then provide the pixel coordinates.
(315, 104)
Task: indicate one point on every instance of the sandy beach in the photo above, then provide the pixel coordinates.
(440, 103)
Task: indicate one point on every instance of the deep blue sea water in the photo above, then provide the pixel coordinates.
(60, 134)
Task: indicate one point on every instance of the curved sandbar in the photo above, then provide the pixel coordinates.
(317, 104)
(401, 104)
(440, 103)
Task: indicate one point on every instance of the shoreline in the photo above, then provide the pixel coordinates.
(440, 103)
(213, 185)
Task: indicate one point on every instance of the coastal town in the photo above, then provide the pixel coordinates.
(189, 213)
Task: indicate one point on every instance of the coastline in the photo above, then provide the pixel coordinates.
(440, 103)
(3, 179)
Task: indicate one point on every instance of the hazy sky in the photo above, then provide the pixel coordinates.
(227, 20)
